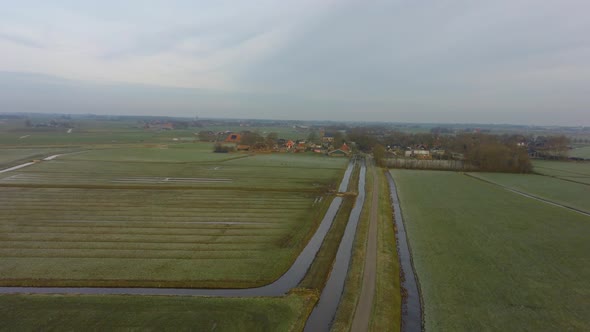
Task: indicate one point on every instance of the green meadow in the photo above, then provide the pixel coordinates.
(580, 152)
(178, 215)
(490, 259)
(16, 156)
(571, 171)
(153, 313)
(567, 193)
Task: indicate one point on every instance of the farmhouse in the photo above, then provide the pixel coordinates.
(344, 151)
(338, 153)
(233, 138)
(415, 153)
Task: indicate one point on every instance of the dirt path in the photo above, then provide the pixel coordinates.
(362, 314)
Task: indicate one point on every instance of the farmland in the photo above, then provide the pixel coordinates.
(581, 152)
(107, 313)
(489, 259)
(179, 216)
(571, 194)
(10, 157)
(571, 171)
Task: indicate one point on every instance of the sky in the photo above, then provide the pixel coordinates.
(452, 61)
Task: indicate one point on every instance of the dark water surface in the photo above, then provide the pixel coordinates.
(411, 307)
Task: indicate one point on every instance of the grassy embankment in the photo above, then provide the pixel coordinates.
(386, 314)
(386, 310)
(489, 259)
(194, 234)
(112, 312)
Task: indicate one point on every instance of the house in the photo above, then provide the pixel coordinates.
(345, 147)
(328, 138)
(301, 147)
(344, 151)
(290, 144)
(338, 153)
(233, 138)
(417, 153)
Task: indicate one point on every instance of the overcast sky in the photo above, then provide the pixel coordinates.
(501, 61)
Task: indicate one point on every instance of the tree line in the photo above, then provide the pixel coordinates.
(481, 151)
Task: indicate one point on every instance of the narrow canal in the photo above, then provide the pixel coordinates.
(411, 304)
(323, 314)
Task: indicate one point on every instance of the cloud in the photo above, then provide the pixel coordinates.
(388, 59)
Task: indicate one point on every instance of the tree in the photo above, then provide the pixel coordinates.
(251, 138)
(271, 139)
(207, 136)
(557, 146)
(379, 154)
(362, 138)
(313, 137)
(220, 148)
(338, 139)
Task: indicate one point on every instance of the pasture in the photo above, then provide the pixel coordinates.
(580, 152)
(189, 165)
(489, 259)
(166, 217)
(571, 171)
(107, 313)
(11, 157)
(86, 132)
(571, 194)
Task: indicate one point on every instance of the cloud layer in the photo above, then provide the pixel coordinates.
(524, 61)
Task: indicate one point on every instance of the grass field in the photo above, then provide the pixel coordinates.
(183, 216)
(580, 152)
(571, 171)
(10, 157)
(488, 259)
(567, 193)
(152, 313)
(94, 131)
(190, 165)
(85, 132)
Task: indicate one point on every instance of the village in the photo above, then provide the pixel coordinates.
(320, 142)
